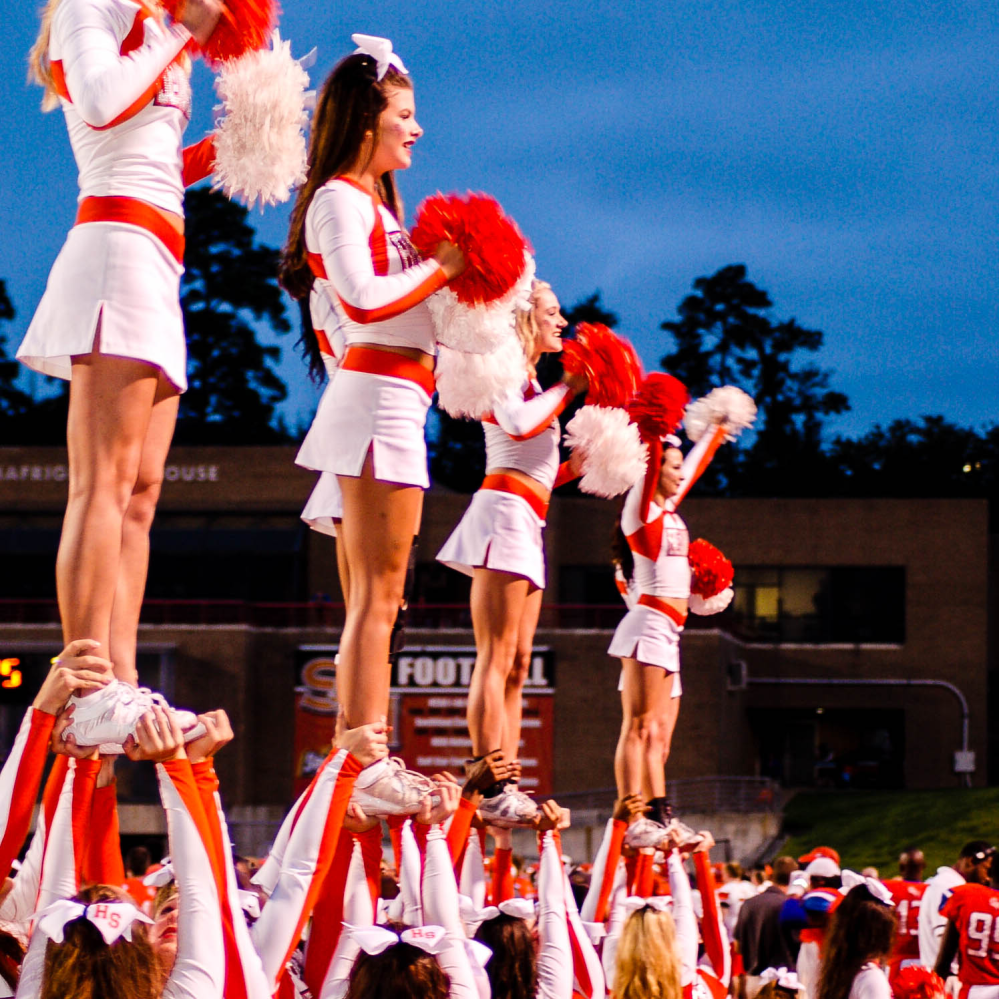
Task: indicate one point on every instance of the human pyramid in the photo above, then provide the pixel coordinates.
(454, 308)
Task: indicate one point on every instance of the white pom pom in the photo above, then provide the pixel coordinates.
(614, 457)
(260, 151)
(727, 404)
(479, 329)
(470, 385)
(713, 605)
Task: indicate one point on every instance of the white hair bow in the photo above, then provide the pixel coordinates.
(478, 953)
(881, 894)
(519, 908)
(380, 49)
(661, 903)
(375, 939)
(112, 919)
(161, 876)
(671, 440)
(785, 979)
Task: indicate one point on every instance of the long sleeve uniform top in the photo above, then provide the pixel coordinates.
(523, 431)
(368, 271)
(660, 542)
(126, 98)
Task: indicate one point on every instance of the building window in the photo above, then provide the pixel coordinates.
(856, 604)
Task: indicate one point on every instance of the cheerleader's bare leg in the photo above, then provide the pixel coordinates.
(379, 521)
(513, 695)
(649, 717)
(111, 402)
(498, 602)
(133, 565)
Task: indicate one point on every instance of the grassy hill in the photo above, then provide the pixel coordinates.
(872, 827)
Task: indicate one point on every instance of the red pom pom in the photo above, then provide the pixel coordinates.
(658, 407)
(607, 361)
(710, 571)
(917, 982)
(245, 26)
(494, 247)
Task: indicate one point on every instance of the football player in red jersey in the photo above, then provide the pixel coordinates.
(907, 893)
(972, 914)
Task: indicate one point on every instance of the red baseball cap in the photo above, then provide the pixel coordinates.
(819, 851)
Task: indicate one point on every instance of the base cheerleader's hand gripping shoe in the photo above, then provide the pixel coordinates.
(388, 788)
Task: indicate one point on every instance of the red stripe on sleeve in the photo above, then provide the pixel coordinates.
(327, 917)
(423, 290)
(25, 789)
(102, 864)
(645, 875)
(618, 830)
(714, 948)
(84, 785)
(457, 833)
(199, 161)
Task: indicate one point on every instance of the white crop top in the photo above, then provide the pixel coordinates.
(369, 271)
(126, 99)
(523, 432)
(660, 544)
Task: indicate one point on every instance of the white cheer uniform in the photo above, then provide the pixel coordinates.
(374, 281)
(659, 543)
(124, 91)
(502, 527)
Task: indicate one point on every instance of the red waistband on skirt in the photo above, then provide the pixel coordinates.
(510, 484)
(384, 362)
(656, 603)
(132, 211)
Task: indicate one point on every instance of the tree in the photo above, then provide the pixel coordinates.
(13, 402)
(229, 280)
(724, 336)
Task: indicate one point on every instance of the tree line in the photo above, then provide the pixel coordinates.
(723, 333)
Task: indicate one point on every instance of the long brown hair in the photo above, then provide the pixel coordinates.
(861, 930)
(349, 105)
(85, 967)
(513, 968)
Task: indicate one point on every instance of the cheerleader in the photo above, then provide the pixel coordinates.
(498, 543)
(346, 241)
(110, 318)
(651, 551)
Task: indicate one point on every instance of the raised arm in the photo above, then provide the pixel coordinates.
(104, 86)
(555, 951)
(683, 917)
(716, 943)
(342, 228)
(523, 419)
(697, 460)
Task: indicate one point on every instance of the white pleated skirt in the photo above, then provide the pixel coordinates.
(122, 277)
(361, 412)
(498, 531)
(325, 505)
(648, 636)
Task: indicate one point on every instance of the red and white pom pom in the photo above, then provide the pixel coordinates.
(260, 149)
(658, 406)
(470, 385)
(917, 982)
(712, 605)
(607, 361)
(614, 456)
(727, 404)
(493, 246)
(710, 571)
(245, 26)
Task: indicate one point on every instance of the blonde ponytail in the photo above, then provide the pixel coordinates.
(39, 66)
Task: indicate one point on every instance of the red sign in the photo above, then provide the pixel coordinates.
(429, 698)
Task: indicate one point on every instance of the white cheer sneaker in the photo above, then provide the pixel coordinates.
(107, 718)
(388, 788)
(509, 808)
(644, 832)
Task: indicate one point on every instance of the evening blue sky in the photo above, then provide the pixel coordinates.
(845, 152)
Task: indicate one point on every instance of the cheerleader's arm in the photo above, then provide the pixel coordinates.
(555, 951)
(716, 943)
(523, 419)
(104, 86)
(698, 459)
(602, 875)
(199, 161)
(102, 864)
(342, 231)
(683, 917)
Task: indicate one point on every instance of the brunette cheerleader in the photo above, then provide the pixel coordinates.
(346, 241)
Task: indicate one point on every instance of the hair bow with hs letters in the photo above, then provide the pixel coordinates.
(112, 919)
(380, 49)
(375, 939)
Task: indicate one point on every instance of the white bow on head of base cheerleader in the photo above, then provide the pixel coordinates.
(661, 903)
(518, 908)
(380, 49)
(375, 939)
(785, 979)
(881, 894)
(112, 919)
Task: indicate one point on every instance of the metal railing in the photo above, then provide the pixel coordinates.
(743, 795)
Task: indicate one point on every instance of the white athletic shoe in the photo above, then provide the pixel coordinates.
(684, 837)
(644, 832)
(388, 788)
(509, 808)
(107, 718)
